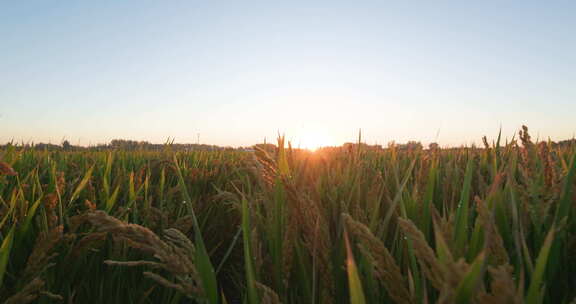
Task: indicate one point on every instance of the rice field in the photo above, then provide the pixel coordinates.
(340, 225)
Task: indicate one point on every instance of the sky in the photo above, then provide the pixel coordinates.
(234, 73)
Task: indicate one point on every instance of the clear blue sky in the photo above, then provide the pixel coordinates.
(239, 71)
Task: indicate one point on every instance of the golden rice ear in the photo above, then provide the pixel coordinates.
(282, 159)
(385, 267)
(268, 296)
(502, 288)
(431, 266)
(38, 262)
(175, 254)
(6, 169)
(28, 294)
(42, 253)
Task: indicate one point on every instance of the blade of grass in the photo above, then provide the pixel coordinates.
(229, 250)
(248, 265)
(398, 196)
(468, 286)
(202, 259)
(462, 212)
(535, 292)
(5, 250)
(81, 185)
(354, 283)
(566, 198)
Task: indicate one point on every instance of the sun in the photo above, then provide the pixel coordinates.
(314, 139)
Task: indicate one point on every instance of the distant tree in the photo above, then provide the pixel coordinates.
(414, 145)
(565, 143)
(270, 148)
(66, 145)
(125, 144)
(411, 145)
(433, 146)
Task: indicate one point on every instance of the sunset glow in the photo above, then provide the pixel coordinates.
(91, 72)
(288, 151)
(314, 139)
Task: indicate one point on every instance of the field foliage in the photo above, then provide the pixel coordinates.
(340, 225)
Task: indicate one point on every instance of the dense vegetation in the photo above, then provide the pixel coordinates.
(342, 225)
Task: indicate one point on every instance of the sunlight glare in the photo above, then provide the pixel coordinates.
(313, 139)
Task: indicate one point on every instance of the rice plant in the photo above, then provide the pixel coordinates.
(339, 225)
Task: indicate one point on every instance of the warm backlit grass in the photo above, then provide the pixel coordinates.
(353, 225)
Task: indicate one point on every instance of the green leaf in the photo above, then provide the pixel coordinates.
(205, 268)
(354, 283)
(248, 265)
(5, 253)
(566, 198)
(535, 293)
(398, 196)
(283, 167)
(428, 200)
(30, 214)
(81, 185)
(442, 250)
(468, 286)
(112, 200)
(462, 213)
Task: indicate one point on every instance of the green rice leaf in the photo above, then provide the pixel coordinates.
(354, 283)
(203, 263)
(81, 185)
(462, 212)
(5, 253)
(535, 292)
(248, 265)
(469, 285)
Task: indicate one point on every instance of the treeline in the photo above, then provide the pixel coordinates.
(133, 145)
(122, 144)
